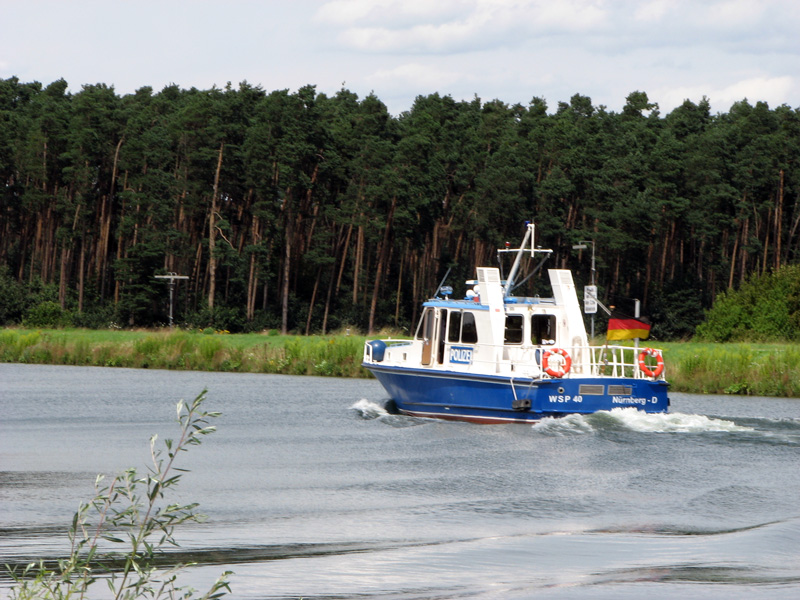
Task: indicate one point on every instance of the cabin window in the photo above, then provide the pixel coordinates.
(543, 329)
(513, 333)
(469, 332)
(454, 328)
(461, 328)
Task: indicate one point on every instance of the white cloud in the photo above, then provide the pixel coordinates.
(715, 15)
(652, 11)
(773, 90)
(733, 14)
(401, 26)
(389, 13)
(415, 76)
(342, 12)
(511, 50)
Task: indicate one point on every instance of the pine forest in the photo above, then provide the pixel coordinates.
(298, 211)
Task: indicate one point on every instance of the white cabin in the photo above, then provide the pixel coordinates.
(492, 334)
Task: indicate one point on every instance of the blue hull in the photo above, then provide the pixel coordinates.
(496, 399)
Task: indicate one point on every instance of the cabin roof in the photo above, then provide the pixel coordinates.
(512, 300)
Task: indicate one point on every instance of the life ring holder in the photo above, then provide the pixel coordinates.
(565, 367)
(659, 362)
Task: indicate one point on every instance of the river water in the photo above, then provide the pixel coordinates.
(313, 490)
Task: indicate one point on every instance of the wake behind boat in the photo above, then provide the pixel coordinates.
(494, 357)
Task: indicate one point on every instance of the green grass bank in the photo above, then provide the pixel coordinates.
(332, 355)
(733, 368)
(753, 369)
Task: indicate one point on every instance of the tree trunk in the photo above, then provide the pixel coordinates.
(415, 283)
(343, 259)
(66, 258)
(328, 301)
(779, 223)
(400, 286)
(62, 280)
(212, 233)
(662, 270)
(198, 255)
(313, 299)
(105, 223)
(35, 250)
(339, 254)
(252, 289)
(733, 261)
(382, 259)
(766, 242)
(252, 279)
(743, 251)
(359, 258)
(287, 261)
(81, 270)
(648, 268)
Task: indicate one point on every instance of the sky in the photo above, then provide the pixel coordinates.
(511, 50)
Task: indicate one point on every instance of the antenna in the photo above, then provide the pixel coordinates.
(441, 283)
(529, 240)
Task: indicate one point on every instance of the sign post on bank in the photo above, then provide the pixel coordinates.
(171, 277)
(590, 302)
(589, 291)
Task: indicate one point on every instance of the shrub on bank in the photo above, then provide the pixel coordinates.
(47, 314)
(765, 308)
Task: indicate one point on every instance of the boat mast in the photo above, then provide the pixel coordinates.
(529, 234)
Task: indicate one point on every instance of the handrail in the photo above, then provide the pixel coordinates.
(610, 361)
(587, 361)
(595, 361)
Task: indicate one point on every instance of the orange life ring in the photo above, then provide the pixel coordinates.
(565, 367)
(659, 362)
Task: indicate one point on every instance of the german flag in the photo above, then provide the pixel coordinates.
(623, 327)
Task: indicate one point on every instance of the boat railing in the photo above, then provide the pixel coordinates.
(618, 361)
(374, 350)
(586, 361)
(596, 361)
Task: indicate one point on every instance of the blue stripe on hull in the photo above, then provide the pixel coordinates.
(488, 399)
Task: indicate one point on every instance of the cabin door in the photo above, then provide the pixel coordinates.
(428, 330)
